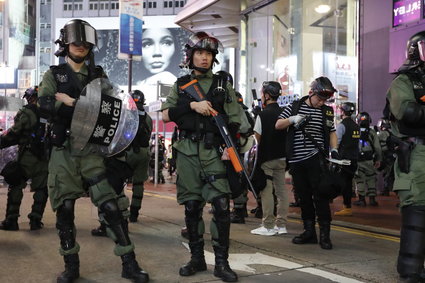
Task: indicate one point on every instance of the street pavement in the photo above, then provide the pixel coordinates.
(361, 253)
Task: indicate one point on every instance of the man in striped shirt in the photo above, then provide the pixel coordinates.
(305, 157)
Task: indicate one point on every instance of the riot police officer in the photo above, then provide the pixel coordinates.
(202, 173)
(71, 170)
(28, 132)
(348, 133)
(137, 155)
(370, 156)
(406, 106)
(132, 163)
(387, 169)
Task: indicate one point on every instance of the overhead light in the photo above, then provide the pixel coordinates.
(322, 9)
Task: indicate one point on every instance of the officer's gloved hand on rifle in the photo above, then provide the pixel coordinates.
(335, 154)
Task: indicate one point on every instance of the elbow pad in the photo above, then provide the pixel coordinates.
(177, 112)
(414, 114)
(47, 106)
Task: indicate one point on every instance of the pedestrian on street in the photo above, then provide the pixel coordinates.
(348, 133)
(271, 158)
(406, 110)
(28, 132)
(71, 170)
(311, 115)
(201, 170)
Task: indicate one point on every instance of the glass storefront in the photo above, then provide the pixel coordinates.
(295, 41)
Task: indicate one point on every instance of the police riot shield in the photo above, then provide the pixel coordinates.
(105, 119)
(251, 157)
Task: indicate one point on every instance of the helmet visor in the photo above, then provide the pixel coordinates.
(77, 33)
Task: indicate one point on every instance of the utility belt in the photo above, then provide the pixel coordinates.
(209, 139)
(60, 132)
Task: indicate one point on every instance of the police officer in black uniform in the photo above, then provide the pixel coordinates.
(348, 133)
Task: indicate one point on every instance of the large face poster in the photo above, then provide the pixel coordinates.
(162, 53)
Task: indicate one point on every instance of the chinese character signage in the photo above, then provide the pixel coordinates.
(131, 12)
(406, 11)
(107, 121)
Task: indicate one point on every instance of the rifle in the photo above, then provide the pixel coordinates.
(195, 91)
(256, 109)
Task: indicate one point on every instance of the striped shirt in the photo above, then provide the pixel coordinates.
(303, 147)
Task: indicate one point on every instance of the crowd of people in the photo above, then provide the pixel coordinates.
(213, 131)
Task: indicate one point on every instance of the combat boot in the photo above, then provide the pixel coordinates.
(325, 240)
(238, 216)
(134, 214)
(309, 235)
(131, 269)
(372, 201)
(99, 231)
(36, 224)
(9, 224)
(345, 211)
(72, 269)
(197, 261)
(360, 202)
(222, 269)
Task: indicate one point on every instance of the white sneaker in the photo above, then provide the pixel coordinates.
(281, 230)
(264, 231)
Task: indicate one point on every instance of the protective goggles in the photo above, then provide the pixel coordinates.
(79, 33)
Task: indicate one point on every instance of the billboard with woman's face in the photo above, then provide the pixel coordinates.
(162, 50)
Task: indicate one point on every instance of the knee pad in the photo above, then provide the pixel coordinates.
(65, 214)
(192, 209)
(220, 206)
(111, 212)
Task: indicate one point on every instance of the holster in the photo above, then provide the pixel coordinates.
(403, 151)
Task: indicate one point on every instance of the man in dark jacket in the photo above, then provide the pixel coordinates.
(271, 158)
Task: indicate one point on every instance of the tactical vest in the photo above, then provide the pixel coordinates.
(415, 76)
(349, 145)
(194, 122)
(366, 149)
(272, 145)
(143, 134)
(327, 122)
(68, 82)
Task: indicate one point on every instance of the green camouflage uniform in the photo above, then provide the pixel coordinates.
(33, 167)
(139, 162)
(365, 176)
(410, 186)
(194, 161)
(70, 170)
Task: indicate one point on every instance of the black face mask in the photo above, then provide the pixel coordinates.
(202, 70)
(77, 60)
